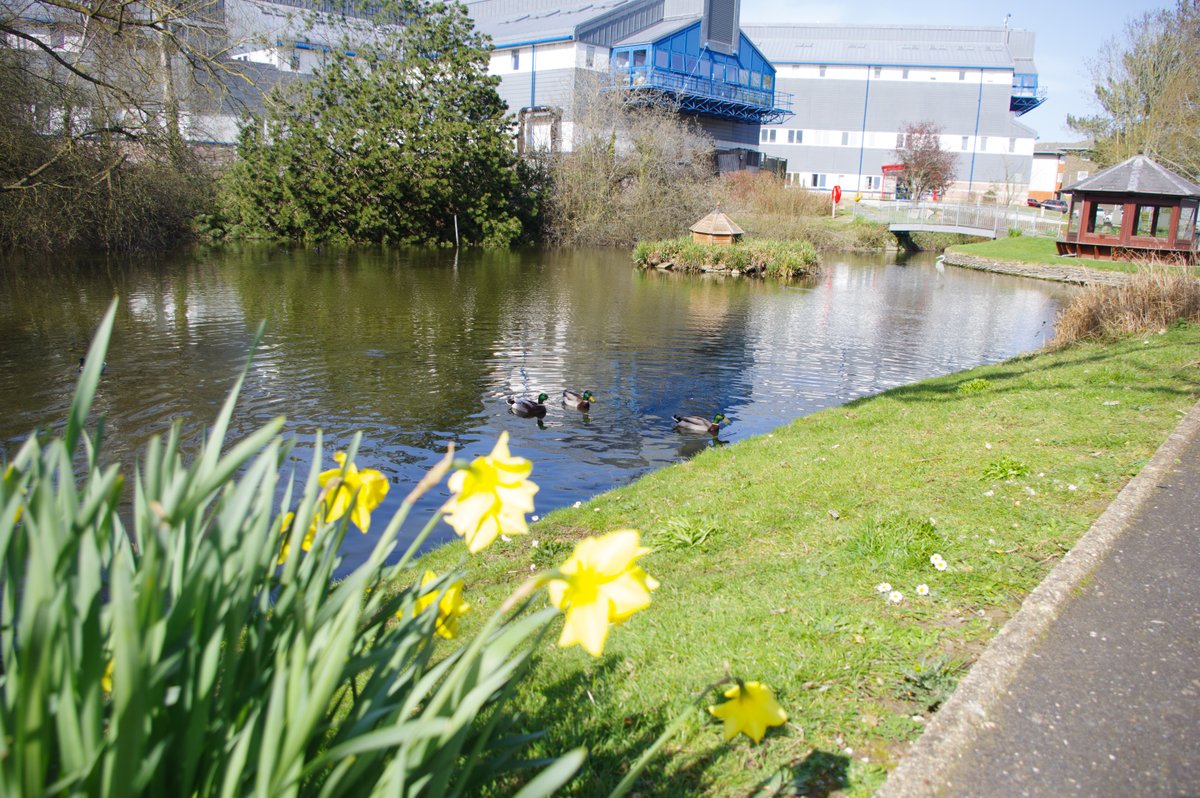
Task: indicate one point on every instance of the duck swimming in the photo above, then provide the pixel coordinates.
(579, 401)
(699, 423)
(528, 408)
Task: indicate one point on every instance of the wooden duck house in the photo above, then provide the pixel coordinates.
(716, 228)
(1136, 209)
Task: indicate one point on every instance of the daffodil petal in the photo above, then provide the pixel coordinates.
(586, 625)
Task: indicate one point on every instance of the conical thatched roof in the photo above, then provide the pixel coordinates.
(717, 224)
(1138, 175)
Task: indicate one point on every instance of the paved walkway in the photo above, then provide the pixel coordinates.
(1063, 273)
(1093, 688)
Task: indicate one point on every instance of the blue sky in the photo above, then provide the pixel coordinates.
(1068, 35)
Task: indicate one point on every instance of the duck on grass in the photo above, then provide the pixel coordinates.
(775, 258)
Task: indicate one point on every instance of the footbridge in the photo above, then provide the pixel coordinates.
(986, 221)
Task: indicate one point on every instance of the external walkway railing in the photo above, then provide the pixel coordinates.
(999, 219)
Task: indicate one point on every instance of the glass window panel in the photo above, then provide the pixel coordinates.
(1073, 224)
(1187, 224)
(639, 58)
(622, 59)
(662, 59)
(1152, 222)
(1105, 219)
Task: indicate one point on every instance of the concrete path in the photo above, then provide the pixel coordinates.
(1063, 273)
(1093, 688)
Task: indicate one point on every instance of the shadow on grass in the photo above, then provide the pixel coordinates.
(579, 710)
(1002, 380)
(817, 775)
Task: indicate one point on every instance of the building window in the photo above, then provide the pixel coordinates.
(622, 59)
(966, 142)
(590, 56)
(845, 138)
(904, 74)
(795, 137)
(878, 72)
(516, 60)
(818, 180)
(1081, 175)
(821, 69)
(639, 58)
(899, 141)
(1012, 145)
(962, 74)
(768, 135)
(295, 62)
(983, 143)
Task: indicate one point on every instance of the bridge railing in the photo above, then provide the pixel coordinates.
(998, 219)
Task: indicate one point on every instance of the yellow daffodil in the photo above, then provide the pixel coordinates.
(358, 492)
(601, 585)
(491, 497)
(106, 679)
(449, 607)
(751, 708)
(286, 528)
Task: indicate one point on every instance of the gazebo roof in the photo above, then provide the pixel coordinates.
(1138, 175)
(717, 224)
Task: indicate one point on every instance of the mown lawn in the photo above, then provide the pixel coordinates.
(1030, 249)
(769, 553)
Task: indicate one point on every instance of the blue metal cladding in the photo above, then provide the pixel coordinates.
(1025, 94)
(738, 86)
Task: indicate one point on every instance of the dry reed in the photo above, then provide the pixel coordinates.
(1157, 296)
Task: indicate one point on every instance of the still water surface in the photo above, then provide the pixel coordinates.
(417, 349)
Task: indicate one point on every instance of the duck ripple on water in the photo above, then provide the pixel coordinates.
(699, 423)
(526, 407)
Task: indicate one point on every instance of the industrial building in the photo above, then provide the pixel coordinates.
(855, 87)
(690, 53)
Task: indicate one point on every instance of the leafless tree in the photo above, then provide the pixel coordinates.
(1147, 84)
(636, 170)
(928, 168)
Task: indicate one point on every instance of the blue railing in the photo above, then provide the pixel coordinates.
(709, 95)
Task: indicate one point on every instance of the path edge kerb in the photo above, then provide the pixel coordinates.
(953, 728)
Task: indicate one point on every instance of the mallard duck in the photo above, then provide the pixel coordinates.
(528, 408)
(579, 401)
(699, 423)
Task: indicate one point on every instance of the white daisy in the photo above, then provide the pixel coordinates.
(940, 565)
(883, 587)
(895, 597)
(922, 590)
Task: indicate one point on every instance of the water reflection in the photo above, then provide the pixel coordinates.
(418, 349)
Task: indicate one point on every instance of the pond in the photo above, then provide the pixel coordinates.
(417, 349)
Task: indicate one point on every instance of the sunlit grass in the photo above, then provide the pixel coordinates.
(769, 553)
(1037, 250)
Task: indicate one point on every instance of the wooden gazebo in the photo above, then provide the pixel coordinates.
(1136, 209)
(716, 228)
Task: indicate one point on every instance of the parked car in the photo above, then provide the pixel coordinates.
(1032, 203)
(1055, 205)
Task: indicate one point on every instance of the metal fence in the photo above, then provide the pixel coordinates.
(996, 218)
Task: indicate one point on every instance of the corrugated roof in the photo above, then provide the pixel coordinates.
(717, 224)
(882, 45)
(512, 21)
(1138, 175)
(656, 32)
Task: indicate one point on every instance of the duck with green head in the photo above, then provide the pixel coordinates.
(699, 423)
(579, 401)
(526, 407)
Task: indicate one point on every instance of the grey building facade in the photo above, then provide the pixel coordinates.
(855, 88)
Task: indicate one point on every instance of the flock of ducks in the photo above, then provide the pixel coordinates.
(536, 408)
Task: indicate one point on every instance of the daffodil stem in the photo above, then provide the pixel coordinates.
(649, 753)
(417, 541)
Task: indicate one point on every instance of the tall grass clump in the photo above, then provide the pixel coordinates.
(190, 639)
(1155, 297)
(766, 193)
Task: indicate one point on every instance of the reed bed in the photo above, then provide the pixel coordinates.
(1157, 296)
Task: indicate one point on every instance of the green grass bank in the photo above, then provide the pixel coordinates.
(769, 553)
(1037, 250)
